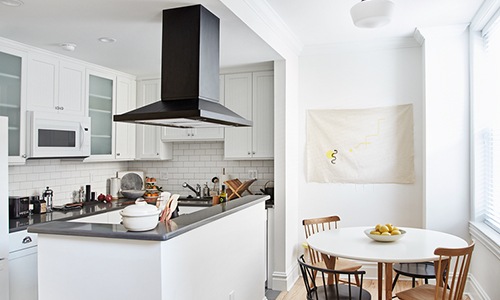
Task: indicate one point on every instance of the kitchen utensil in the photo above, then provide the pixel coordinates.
(132, 194)
(236, 188)
(166, 214)
(268, 189)
(131, 180)
(140, 216)
(48, 196)
(384, 238)
(215, 181)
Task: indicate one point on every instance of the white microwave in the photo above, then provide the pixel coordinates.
(53, 135)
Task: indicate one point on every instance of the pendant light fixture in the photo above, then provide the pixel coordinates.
(372, 13)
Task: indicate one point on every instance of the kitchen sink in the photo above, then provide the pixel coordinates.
(193, 200)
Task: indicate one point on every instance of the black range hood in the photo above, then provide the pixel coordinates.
(189, 75)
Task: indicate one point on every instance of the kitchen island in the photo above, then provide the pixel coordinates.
(215, 253)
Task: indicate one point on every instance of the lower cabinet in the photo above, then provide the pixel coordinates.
(23, 270)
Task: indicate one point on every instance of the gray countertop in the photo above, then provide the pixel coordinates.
(162, 232)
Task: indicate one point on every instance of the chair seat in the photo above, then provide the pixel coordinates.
(422, 292)
(343, 293)
(417, 270)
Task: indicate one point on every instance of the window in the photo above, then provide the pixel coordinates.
(486, 122)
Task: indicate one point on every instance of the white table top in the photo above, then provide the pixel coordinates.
(351, 242)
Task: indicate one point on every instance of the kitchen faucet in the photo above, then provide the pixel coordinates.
(197, 191)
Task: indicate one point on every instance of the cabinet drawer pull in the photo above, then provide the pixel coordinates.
(27, 240)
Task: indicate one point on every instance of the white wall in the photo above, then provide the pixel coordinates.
(446, 118)
(362, 79)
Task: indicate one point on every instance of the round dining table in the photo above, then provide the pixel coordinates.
(417, 245)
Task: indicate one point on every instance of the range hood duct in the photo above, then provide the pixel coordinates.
(189, 75)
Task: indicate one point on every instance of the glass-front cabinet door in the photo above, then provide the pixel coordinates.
(101, 95)
(12, 102)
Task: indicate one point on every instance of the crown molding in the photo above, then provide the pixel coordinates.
(361, 46)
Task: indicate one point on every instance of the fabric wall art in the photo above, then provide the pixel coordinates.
(373, 145)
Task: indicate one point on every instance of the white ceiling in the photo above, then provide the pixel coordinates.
(136, 24)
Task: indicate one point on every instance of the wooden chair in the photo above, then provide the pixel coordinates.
(422, 270)
(312, 226)
(454, 265)
(324, 291)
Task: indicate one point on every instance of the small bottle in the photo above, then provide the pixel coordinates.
(43, 206)
(223, 195)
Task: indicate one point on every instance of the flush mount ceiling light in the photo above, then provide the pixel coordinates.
(68, 46)
(372, 13)
(13, 3)
(107, 40)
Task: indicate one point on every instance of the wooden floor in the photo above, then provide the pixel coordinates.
(298, 292)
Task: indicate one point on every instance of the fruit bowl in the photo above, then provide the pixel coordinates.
(384, 238)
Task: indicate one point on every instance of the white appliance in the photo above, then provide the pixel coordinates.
(4, 213)
(57, 135)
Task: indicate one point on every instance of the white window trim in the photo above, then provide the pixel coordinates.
(486, 236)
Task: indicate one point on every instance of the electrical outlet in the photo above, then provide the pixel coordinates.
(252, 174)
(163, 175)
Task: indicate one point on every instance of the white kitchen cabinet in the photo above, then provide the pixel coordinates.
(23, 275)
(55, 85)
(148, 140)
(101, 96)
(13, 69)
(252, 96)
(125, 142)
(196, 134)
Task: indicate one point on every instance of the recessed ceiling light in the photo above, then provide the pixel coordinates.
(13, 3)
(107, 39)
(68, 46)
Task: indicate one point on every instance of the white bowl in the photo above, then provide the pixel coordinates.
(385, 238)
(132, 194)
(140, 216)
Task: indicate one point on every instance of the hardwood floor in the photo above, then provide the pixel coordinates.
(298, 292)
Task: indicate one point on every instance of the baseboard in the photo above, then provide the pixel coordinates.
(473, 289)
(284, 281)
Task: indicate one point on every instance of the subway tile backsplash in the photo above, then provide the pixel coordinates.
(193, 162)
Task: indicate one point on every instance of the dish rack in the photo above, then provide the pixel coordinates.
(235, 188)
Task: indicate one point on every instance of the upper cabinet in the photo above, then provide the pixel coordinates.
(149, 142)
(197, 134)
(55, 85)
(12, 100)
(101, 95)
(252, 96)
(125, 132)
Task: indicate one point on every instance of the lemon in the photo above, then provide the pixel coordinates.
(385, 233)
(395, 232)
(377, 227)
(383, 228)
(374, 232)
(389, 226)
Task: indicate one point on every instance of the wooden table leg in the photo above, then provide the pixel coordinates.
(388, 281)
(380, 268)
(330, 264)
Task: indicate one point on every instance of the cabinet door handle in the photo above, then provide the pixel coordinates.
(27, 240)
(253, 152)
(57, 107)
(248, 152)
(117, 154)
(1, 258)
(61, 107)
(24, 155)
